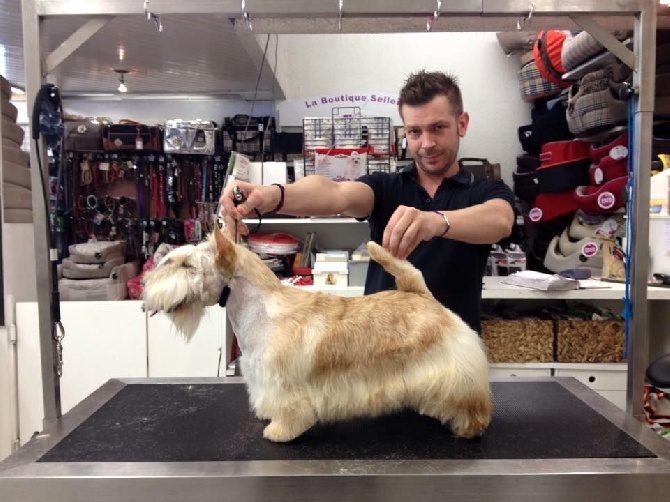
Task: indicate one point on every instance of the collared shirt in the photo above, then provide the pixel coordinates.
(453, 270)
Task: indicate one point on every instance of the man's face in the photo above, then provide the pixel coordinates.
(433, 134)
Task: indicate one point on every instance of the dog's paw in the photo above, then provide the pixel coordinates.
(469, 427)
(278, 433)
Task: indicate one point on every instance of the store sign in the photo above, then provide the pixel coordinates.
(350, 100)
(372, 104)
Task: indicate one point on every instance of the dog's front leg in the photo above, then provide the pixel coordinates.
(292, 415)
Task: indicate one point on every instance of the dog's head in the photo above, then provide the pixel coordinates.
(188, 279)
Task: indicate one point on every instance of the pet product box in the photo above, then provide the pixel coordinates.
(581, 341)
(341, 164)
(330, 273)
(518, 340)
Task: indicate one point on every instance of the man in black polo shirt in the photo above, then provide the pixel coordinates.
(433, 213)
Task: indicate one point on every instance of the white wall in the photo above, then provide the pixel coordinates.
(311, 67)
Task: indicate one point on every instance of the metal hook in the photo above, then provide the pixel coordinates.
(438, 11)
(339, 23)
(246, 16)
(429, 23)
(521, 21)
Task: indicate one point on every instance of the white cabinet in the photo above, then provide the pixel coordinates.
(608, 380)
(170, 355)
(106, 340)
(498, 370)
(102, 340)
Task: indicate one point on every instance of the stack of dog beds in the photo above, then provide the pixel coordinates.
(16, 192)
(96, 271)
(575, 156)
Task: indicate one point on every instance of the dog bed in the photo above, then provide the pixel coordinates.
(533, 85)
(97, 251)
(582, 47)
(8, 110)
(15, 174)
(596, 103)
(17, 197)
(14, 215)
(5, 88)
(515, 41)
(111, 288)
(547, 50)
(15, 154)
(8, 143)
(73, 270)
(557, 262)
(11, 131)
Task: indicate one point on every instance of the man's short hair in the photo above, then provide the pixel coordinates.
(423, 86)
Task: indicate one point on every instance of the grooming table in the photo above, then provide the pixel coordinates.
(195, 440)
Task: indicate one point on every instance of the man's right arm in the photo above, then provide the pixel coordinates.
(310, 196)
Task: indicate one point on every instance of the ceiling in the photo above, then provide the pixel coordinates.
(210, 55)
(193, 54)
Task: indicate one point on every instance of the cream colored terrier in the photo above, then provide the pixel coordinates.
(309, 357)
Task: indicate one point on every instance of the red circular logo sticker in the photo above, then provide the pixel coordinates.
(590, 249)
(535, 214)
(606, 200)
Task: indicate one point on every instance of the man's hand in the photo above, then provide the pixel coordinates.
(261, 197)
(407, 227)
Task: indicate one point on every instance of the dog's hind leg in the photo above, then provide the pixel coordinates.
(290, 419)
(468, 413)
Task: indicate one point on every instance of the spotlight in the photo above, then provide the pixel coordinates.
(122, 80)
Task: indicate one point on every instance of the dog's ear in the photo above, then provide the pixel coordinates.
(225, 252)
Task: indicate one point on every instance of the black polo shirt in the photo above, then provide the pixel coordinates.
(453, 270)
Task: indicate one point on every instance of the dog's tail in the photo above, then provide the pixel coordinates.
(407, 277)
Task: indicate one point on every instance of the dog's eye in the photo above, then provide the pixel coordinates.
(186, 265)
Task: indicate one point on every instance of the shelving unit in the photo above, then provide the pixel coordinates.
(348, 129)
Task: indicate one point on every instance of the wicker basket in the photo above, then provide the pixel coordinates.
(580, 341)
(519, 340)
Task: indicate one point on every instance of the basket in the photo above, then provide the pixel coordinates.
(518, 340)
(579, 341)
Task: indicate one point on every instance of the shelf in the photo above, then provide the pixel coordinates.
(494, 289)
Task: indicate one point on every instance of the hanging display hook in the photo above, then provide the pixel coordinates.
(430, 22)
(521, 21)
(246, 16)
(339, 23)
(153, 17)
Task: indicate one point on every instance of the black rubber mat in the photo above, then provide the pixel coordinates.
(212, 422)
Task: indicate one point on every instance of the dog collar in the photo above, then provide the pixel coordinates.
(225, 293)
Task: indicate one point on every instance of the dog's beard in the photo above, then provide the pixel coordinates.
(186, 318)
(182, 292)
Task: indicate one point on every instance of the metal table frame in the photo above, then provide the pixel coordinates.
(99, 12)
(622, 479)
